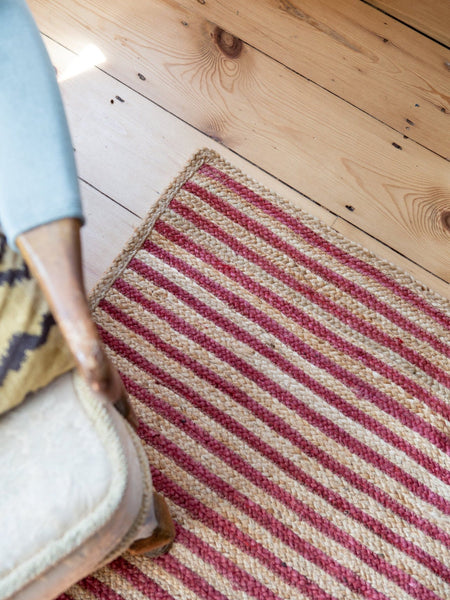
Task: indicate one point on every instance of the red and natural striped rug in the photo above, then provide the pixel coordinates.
(292, 395)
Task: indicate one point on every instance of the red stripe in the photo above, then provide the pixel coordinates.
(140, 581)
(347, 408)
(286, 431)
(314, 555)
(315, 239)
(358, 386)
(318, 420)
(240, 579)
(233, 534)
(336, 310)
(288, 467)
(177, 418)
(190, 579)
(297, 474)
(100, 589)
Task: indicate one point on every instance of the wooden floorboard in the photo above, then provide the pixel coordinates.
(432, 17)
(108, 226)
(298, 132)
(365, 57)
(130, 151)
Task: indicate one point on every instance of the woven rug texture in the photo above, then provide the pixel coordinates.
(292, 391)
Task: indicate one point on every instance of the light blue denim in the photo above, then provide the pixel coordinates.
(38, 179)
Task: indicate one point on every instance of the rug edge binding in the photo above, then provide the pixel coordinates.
(207, 155)
(144, 229)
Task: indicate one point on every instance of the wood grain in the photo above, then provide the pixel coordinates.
(136, 131)
(100, 131)
(131, 149)
(300, 133)
(430, 16)
(353, 50)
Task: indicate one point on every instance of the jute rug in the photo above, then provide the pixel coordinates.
(291, 389)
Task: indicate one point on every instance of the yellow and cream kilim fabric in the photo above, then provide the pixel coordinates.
(32, 349)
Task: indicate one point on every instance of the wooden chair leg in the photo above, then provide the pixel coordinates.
(162, 538)
(53, 254)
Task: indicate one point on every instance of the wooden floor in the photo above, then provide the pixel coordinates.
(341, 106)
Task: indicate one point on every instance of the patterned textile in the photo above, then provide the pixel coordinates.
(32, 350)
(292, 391)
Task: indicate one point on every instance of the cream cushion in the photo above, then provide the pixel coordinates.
(74, 489)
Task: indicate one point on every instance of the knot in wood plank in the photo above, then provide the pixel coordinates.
(227, 43)
(446, 220)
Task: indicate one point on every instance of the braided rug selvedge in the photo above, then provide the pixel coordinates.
(292, 391)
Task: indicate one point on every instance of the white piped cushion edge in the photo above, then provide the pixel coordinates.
(70, 479)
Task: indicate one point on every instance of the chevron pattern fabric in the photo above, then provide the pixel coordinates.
(32, 350)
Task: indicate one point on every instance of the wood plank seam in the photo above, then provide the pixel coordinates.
(91, 185)
(433, 37)
(396, 129)
(198, 130)
(220, 142)
(388, 61)
(248, 156)
(256, 49)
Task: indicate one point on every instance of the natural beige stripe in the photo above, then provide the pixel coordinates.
(78, 593)
(247, 525)
(315, 469)
(155, 571)
(278, 477)
(232, 552)
(192, 349)
(299, 273)
(293, 521)
(208, 573)
(121, 585)
(152, 292)
(227, 255)
(295, 328)
(335, 238)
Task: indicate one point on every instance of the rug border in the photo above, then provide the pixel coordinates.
(203, 155)
(144, 229)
